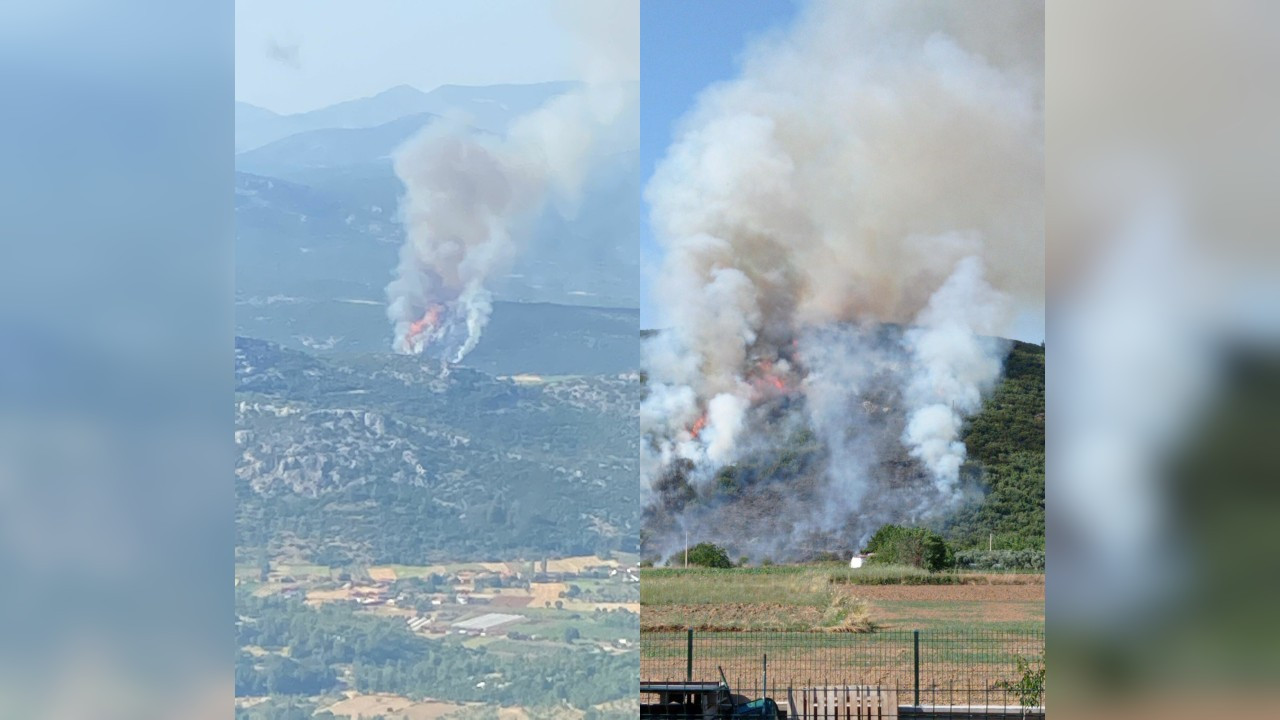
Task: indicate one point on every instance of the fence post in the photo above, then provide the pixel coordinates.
(916, 637)
(689, 658)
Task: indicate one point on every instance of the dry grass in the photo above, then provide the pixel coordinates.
(543, 593)
(315, 596)
(408, 571)
(487, 712)
(368, 706)
(577, 564)
(749, 601)
(578, 606)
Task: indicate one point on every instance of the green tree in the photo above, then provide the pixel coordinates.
(921, 547)
(709, 555)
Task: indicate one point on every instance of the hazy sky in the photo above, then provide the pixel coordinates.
(297, 55)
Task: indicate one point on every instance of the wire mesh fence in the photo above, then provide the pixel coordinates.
(968, 668)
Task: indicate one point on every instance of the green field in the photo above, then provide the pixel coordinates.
(776, 598)
(835, 598)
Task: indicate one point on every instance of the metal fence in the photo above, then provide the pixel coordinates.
(925, 668)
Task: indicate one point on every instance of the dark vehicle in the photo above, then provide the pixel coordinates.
(704, 700)
(686, 700)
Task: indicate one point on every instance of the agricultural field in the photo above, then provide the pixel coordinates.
(837, 599)
(356, 705)
(436, 641)
(828, 624)
(365, 706)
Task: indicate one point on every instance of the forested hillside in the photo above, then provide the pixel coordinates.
(386, 459)
(742, 507)
(1006, 449)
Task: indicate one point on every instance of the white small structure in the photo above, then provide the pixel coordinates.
(856, 561)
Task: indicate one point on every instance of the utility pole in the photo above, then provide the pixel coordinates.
(990, 539)
(686, 549)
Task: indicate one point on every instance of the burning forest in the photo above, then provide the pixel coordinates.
(471, 199)
(848, 228)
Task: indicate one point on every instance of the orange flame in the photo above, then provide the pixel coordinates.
(696, 430)
(429, 321)
(765, 367)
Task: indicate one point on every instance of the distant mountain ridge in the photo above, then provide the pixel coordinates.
(333, 146)
(488, 107)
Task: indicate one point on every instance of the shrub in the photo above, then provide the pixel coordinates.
(709, 555)
(919, 547)
(1032, 560)
(1029, 687)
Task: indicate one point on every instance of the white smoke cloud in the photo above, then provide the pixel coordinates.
(724, 422)
(471, 199)
(953, 366)
(878, 163)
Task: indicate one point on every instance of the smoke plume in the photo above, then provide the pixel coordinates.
(471, 199)
(845, 225)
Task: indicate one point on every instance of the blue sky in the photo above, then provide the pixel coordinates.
(684, 47)
(298, 55)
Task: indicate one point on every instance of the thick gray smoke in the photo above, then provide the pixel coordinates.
(880, 164)
(471, 199)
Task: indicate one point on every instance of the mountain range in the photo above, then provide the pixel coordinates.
(318, 229)
(351, 454)
(488, 107)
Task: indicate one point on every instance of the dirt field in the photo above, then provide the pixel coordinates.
(315, 597)
(546, 593)
(992, 607)
(407, 571)
(607, 606)
(382, 574)
(964, 593)
(577, 564)
(368, 706)
(972, 630)
(510, 601)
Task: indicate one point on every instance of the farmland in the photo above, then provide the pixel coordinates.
(832, 598)
(436, 641)
(828, 624)
(409, 539)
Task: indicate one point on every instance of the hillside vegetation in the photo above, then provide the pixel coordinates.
(746, 506)
(1005, 442)
(383, 459)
